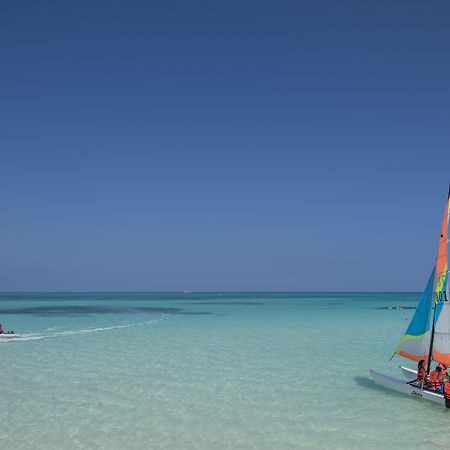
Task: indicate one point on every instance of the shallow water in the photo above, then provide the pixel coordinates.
(208, 371)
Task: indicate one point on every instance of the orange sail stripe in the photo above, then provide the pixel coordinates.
(442, 357)
(413, 357)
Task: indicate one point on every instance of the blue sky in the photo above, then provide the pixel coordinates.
(222, 146)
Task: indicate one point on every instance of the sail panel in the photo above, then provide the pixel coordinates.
(442, 258)
(441, 341)
(415, 344)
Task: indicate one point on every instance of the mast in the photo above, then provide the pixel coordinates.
(430, 353)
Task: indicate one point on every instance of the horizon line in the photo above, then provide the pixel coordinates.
(208, 291)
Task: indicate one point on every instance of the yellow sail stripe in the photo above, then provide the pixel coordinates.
(410, 337)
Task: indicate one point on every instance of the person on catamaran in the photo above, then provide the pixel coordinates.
(446, 392)
(435, 380)
(421, 372)
(444, 371)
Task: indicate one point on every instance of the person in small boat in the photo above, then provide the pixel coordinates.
(435, 379)
(421, 372)
(2, 331)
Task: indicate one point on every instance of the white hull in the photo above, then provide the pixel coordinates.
(405, 388)
(9, 336)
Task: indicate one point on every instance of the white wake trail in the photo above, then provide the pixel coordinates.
(40, 336)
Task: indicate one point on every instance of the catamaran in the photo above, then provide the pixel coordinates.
(428, 334)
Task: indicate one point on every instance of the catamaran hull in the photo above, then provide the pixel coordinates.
(405, 388)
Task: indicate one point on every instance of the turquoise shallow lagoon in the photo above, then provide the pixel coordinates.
(208, 371)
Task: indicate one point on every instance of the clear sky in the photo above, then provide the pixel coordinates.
(250, 145)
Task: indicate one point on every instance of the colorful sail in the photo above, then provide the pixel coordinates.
(441, 341)
(415, 344)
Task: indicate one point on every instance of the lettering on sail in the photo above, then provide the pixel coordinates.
(441, 296)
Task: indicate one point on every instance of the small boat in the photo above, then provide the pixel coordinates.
(9, 336)
(428, 334)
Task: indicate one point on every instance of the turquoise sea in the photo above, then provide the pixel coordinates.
(208, 371)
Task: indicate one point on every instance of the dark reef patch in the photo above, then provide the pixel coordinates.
(70, 310)
(226, 303)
